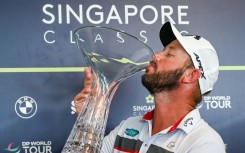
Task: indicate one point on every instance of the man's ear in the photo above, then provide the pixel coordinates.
(191, 75)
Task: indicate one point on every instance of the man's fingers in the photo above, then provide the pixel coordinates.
(87, 72)
(83, 94)
(80, 98)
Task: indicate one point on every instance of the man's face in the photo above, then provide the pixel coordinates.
(165, 73)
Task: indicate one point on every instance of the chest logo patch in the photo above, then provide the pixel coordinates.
(131, 132)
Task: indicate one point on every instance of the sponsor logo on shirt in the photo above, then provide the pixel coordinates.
(188, 122)
(171, 145)
(131, 132)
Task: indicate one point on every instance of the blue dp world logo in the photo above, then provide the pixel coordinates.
(25, 107)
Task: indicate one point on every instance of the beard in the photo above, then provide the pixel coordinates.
(162, 81)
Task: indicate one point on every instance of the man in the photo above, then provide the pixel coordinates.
(179, 75)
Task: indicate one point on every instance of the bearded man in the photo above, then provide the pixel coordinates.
(177, 77)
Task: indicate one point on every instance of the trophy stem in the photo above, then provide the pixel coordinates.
(88, 131)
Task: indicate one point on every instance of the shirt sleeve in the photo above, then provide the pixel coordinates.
(109, 140)
(208, 142)
(203, 140)
(209, 147)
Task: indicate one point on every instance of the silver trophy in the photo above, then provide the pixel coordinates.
(113, 56)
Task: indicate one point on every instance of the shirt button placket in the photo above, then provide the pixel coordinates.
(144, 148)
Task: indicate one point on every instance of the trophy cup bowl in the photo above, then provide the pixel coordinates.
(113, 56)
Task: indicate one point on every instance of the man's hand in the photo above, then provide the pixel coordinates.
(81, 97)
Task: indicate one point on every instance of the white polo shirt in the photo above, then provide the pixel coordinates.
(191, 134)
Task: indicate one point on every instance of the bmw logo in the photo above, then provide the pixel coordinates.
(25, 107)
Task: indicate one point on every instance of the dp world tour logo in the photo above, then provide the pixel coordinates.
(12, 149)
(25, 107)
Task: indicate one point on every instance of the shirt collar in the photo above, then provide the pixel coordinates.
(148, 115)
(190, 121)
(186, 123)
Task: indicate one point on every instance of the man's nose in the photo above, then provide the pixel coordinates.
(157, 56)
